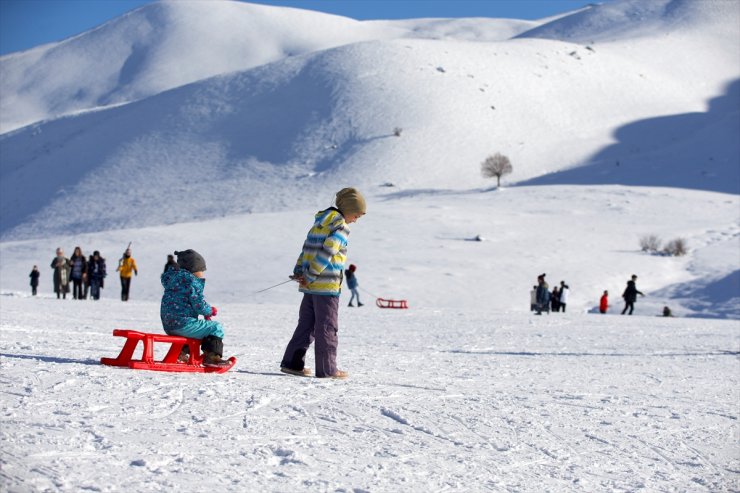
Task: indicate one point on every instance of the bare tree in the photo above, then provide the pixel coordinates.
(650, 243)
(497, 165)
(677, 248)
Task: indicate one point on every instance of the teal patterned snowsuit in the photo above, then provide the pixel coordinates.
(182, 302)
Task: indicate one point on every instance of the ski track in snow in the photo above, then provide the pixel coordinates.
(493, 401)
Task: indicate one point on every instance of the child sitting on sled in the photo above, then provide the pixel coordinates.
(183, 302)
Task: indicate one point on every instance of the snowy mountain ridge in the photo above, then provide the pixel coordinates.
(168, 44)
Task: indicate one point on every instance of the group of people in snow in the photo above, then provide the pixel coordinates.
(85, 274)
(542, 300)
(319, 272)
(629, 295)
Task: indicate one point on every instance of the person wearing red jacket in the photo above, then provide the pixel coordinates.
(604, 302)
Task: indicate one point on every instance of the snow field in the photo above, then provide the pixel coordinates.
(436, 400)
(417, 245)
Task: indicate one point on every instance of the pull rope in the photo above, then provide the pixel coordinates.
(368, 292)
(276, 285)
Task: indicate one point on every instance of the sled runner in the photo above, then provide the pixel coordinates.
(383, 303)
(169, 362)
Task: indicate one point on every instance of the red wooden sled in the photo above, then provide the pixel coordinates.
(383, 303)
(169, 362)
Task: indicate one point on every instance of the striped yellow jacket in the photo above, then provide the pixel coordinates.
(324, 254)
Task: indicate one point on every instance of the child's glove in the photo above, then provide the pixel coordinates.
(214, 312)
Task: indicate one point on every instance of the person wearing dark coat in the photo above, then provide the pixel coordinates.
(630, 295)
(171, 264)
(61, 267)
(543, 295)
(78, 273)
(555, 299)
(96, 274)
(34, 275)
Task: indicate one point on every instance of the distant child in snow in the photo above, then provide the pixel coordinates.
(183, 302)
(667, 312)
(318, 272)
(352, 284)
(34, 275)
(604, 302)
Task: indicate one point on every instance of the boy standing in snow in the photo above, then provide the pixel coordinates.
(319, 274)
(183, 301)
(352, 284)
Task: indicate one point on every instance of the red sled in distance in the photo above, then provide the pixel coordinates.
(169, 362)
(383, 303)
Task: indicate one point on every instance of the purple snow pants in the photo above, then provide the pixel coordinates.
(317, 320)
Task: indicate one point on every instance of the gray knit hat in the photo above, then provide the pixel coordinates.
(350, 201)
(191, 261)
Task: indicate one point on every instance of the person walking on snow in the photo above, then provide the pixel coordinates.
(630, 295)
(564, 293)
(352, 284)
(61, 267)
(34, 275)
(183, 302)
(126, 267)
(318, 272)
(604, 302)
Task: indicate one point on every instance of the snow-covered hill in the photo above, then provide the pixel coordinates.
(311, 122)
(168, 44)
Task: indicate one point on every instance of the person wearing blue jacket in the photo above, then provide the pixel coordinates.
(183, 303)
(352, 284)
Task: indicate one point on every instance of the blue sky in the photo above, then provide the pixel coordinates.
(28, 23)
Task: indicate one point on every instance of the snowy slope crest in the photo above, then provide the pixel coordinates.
(161, 46)
(637, 18)
(168, 44)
